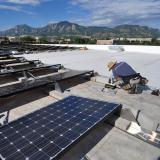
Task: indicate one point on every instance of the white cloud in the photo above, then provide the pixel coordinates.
(25, 2)
(14, 8)
(30, 2)
(16, 5)
(113, 12)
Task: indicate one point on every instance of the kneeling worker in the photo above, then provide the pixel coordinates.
(125, 76)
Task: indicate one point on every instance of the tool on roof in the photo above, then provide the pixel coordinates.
(156, 92)
(109, 85)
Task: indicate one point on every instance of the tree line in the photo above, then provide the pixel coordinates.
(82, 40)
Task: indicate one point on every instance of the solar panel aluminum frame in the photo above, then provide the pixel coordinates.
(90, 72)
(16, 61)
(9, 57)
(57, 66)
(55, 81)
(70, 145)
(5, 54)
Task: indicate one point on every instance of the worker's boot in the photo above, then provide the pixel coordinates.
(133, 89)
(135, 86)
(143, 81)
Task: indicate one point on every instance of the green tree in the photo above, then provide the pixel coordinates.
(43, 40)
(155, 42)
(28, 39)
(81, 40)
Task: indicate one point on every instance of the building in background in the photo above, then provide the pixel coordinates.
(4, 39)
(105, 42)
(134, 39)
(139, 39)
(14, 39)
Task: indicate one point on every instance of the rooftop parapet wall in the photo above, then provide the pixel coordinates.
(143, 49)
(127, 48)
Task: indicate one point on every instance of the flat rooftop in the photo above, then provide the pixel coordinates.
(146, 64)
(107, 141)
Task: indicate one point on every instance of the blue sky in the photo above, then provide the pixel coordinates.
(38, 13)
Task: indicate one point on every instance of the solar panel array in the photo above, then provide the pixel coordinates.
(48, 132)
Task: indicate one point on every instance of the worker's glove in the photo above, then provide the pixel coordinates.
(119, 83)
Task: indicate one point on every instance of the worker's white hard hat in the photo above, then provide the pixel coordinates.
(111, 64)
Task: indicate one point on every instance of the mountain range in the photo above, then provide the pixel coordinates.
(71, 29)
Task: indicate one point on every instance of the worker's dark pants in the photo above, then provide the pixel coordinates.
(127, 79)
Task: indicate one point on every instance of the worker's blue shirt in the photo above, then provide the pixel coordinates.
(122, 69)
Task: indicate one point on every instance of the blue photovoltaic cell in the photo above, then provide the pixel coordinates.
(46, 133)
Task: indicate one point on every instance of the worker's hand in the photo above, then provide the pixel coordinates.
(117, 84)
(118, 78)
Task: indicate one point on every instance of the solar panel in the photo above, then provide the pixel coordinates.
(48, 132)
